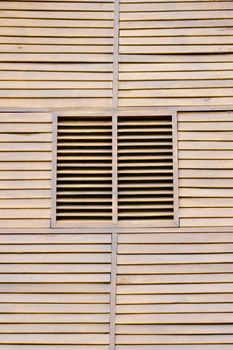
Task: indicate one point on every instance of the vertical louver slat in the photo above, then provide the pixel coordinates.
(84, 174)
(145, 168)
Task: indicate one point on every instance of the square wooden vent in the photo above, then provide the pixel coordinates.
(144, 191)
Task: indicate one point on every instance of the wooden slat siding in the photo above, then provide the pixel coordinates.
(173, 291)
(55, 302)
(56, 55)
(205, 163)
(174, 53)
(25, 162)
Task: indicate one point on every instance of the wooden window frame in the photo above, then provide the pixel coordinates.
(115, 223)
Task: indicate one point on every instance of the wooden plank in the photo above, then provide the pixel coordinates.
(29, 49)
(54, 347)
(54, 14)
(171, 308)
(206, 192)
(176, 49)
(206, 183)
(54, 318)
(25, 175)
(26, 203)
(30, 137)
(55, 339)
(202, 202)
(207, 222)
(175, 15)
(174, 84)
(19, 147)
(64, 32)
(170, 75)
(55, 75)
(171, 339)
(63, 299)
(55, 308)
(46, 6)
(174, 24)
(48, 288)
(56, 258)
(34, 166)
(173, 259)
(174, 40)
(173, 299)
(209, 145)
(53, 278)
(217, 92)
(26, 117)
(166, 269)
(206, 164)
(174, 329)
(40, 22)
(171, 279)
(175, 237)
(81, 238)
(49, 57)
(175, 102)
(24, 184)
(24, 157)
(54, 248)
(58, 67)
(58, 102)
(198, 318)
(63, 85)
(56, 268)
(161, 29)
(55, 93)
(25, 223)
(25, 128)
(189, 6)
(25, 213)
(166, 248)
(211, 116)
(207, 126)
(53, 328)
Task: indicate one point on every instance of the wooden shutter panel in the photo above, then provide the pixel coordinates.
(145, 168)
(85, 189)
(84, 168)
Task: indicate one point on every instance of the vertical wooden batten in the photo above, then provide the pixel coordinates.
(115, 113)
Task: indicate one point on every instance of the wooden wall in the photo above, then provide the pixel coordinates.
(56, 54)
(25, 169)
(55, 291)
(103, 289)
(205, 168)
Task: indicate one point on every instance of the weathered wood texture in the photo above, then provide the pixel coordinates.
(175, 53)
(25, 169)
(205, 168)
(56, 55)
(55, 291)
(174, 291)
(174, 286)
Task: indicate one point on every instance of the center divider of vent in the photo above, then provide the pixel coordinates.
(145, 168)
(84, 168)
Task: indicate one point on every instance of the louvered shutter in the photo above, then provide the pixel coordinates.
(145, 170)
(84, 168)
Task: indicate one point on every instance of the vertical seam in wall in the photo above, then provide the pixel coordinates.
(54, 172)
(115, 81)
(175, 166)
(112, 328)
